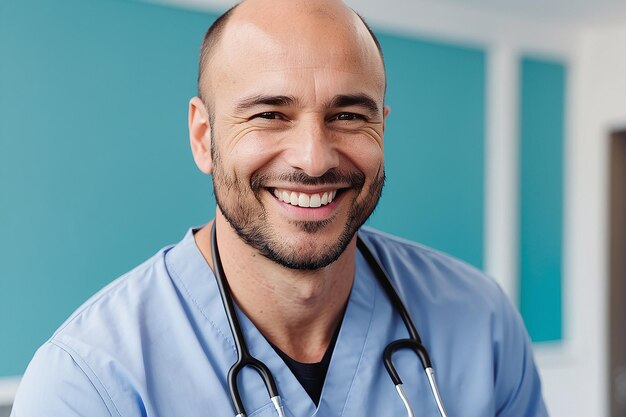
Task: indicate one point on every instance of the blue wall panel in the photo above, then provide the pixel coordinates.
(434, 146)
(541, 196)
(95, 169)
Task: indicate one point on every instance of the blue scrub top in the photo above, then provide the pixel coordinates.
(156, 342)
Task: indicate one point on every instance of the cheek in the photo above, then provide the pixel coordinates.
(251, 154)
(367, 156)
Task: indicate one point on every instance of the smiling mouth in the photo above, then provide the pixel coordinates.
(299, 199)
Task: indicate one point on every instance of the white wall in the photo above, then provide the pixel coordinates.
(599, 109)
(8, 389)
(576, 378)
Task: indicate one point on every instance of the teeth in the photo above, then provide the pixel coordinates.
(315, 201)
(303, 199)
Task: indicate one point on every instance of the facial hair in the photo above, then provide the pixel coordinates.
(241, 204)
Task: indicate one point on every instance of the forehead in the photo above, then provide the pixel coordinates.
(297, 47)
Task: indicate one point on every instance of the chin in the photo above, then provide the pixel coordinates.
(310, 252)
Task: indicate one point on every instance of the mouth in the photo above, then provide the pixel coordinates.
(307, 200)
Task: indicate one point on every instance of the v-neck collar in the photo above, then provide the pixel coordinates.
(196, 277)
(345, 359)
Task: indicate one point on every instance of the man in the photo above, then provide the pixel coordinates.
(289, 122)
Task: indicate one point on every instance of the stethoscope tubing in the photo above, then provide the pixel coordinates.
(414, 342)
(244, 358)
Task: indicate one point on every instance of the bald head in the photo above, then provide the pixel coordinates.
(294, 18)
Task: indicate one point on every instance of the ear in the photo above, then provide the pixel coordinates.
(386, 110)
(200, 135)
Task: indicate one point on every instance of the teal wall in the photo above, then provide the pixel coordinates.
(434, 146)
(541, 196)
(95, 171)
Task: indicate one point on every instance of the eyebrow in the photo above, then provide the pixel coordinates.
(342, 100)
(360, 100)
(263, 100)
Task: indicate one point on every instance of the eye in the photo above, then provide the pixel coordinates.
(348, 117)
(268, 115)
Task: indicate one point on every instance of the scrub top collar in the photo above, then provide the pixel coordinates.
(197, 283)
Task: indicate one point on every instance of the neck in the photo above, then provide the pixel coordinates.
(298, 311)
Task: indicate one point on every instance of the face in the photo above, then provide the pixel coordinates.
(297, 140)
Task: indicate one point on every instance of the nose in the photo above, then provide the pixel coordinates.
(312, 149)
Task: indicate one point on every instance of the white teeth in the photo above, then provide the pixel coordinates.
(315, 201)
(303, 199)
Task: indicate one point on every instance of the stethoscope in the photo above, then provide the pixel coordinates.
(244, 358)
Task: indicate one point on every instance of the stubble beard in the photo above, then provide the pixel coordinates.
(249, 218)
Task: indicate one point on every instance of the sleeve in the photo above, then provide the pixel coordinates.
(517, 383)
(55, 385)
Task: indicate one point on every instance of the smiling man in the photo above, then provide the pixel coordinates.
(289, 122)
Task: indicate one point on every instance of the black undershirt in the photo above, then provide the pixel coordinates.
(310, 375)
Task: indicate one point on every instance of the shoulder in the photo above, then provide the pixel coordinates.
(124, 295)
(112, 331)
(442, 275)
(55, 384)
(466, 320)
(83, 365)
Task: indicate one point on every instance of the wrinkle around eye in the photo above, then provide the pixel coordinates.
(359, 137)
(250, 132)
(358, 126)
(374, 133)
(270, 125)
